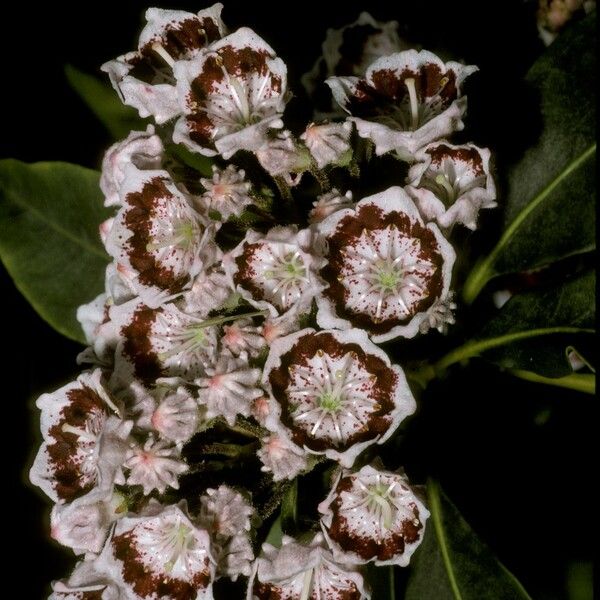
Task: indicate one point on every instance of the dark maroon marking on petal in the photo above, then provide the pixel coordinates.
(388, 89)
(145, 583)
(83, 403)
(181, 38)
(138, 347)
(428, 83)
(245, 274)
(266, 591)
(465, 154)
(237, 62)
(299, 355)
(149, 68)
(365, 547)
(354, 40)
(371, 218)
(142, 210)
(200, 128)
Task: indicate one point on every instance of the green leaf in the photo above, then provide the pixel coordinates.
(453, 563)
(580, 382)
(549, 208)
(198, 162)
(532, 331)
(49, 241)
(104, 102)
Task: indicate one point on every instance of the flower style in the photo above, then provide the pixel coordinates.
(227, 192)
(328, 143)
(298, 571)
(385, 268)
(161, 554)
(143, 149)
(144, 78)
(162, 342)
(373, 516)
(83, 524)
(281, 458)
(87, 582)
(334, 392)
(84, 441)
(228, 389)
(275, 271)
(405, 100)
(450, 184)
(349, 51)
(328, 203)
(231, 95)
(226, 515)
(155, 466)
(157, 235)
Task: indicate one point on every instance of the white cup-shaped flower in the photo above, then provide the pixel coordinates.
(160, 554)
(297, 571)
(88, 582)
(450, 184)
(84, 440)
(373, 516)
(230, 95)
(275, 271)
(334, 392)
(144, 78)
(386, 268)
(157, 236)
(405, 100)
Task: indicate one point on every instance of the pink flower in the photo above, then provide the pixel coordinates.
(281, 458)
(155, 466)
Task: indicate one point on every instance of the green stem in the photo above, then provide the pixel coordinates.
(475, 347)
(433, 495)
(581, 382)
(484, 269)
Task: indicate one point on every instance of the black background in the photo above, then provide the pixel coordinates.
(515, 457)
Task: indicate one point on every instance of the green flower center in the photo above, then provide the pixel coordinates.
(330, 402)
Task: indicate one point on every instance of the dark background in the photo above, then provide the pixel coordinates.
(514, 457)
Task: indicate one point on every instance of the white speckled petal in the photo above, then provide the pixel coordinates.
(373, 516)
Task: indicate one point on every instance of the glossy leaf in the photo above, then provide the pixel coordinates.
(49, 241)
(549, 207)
(532, 330)
(104, 102)
(453, 563)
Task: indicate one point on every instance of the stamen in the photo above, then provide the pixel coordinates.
(159, 49)
(81, 434)
(414, 102)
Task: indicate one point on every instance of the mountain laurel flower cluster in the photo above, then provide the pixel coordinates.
(255, 266)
